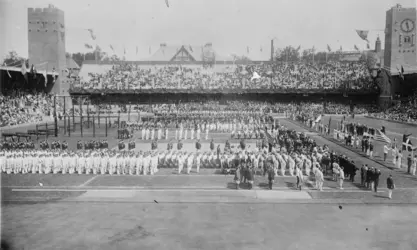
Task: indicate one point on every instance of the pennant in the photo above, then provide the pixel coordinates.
(53, 75)
(88, 46)
(92, 34)
(328, 48)
(363, 34)
(401, 72)
(111, 47)
(191, 48)
(33, 71)
(255, 76)
(356, 47)
(167, 3)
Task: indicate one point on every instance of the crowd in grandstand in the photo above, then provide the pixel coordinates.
(19, 107)
(294, 75)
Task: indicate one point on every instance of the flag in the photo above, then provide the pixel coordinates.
(407, 143)
(318, 119)
(368, 46)
(191, 48)
(33, 71)
(136, 50)
(255, 76)
(328, 48)
(92, 34)
(341, 49)
(124, 51)
(299, 47)
(88, 46)
(167, 3)
(247, 50)
(379, 136)
(356, 48)
(111, 47)
(401, 72)
(363, 34)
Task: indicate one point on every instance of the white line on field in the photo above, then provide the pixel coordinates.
(89, 180)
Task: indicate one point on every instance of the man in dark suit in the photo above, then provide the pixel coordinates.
(249, 175)
(377, 174)
(271, 177)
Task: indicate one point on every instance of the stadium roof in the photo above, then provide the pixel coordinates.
(19, 69)
(167, 53)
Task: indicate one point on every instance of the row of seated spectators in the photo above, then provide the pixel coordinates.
(259, 107)
(295, 75)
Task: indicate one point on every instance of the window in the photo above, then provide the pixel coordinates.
(407, 39)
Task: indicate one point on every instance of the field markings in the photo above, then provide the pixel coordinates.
(89, 180)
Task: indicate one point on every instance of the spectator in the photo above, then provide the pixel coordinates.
(390, 186)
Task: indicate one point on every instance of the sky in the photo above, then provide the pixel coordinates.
(230, 25)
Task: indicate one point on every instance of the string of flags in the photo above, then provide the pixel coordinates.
(92, 34)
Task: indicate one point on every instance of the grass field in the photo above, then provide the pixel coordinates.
(171, 211)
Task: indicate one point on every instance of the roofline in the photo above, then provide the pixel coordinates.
(19, 69)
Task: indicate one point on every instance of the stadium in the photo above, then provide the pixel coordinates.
(225, 147)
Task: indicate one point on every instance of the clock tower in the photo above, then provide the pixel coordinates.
(400, 40)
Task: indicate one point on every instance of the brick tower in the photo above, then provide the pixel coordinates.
(46, 33)
(400, 40)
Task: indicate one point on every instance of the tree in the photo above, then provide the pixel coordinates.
(14, 60)
(289, 54)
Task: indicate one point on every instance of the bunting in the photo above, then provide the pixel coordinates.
(328, 48)
(92, 34)
(363, 34)
(356, 47)
(88, 46)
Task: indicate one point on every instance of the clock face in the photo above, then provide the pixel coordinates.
(407, 25)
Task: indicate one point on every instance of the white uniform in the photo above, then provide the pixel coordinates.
(190, 160)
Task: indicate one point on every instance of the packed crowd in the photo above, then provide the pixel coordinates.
(19, 107)
(295, 75)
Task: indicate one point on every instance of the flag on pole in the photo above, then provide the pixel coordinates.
(401, 72)
(167, 3)
(24, 71)
(368, 46)
(407, 142)
(356, 48)
(379, 136)
(88, 46)
(92, 34)
(136, 50)
(111, 47)
(363, 34)
(328, 48)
